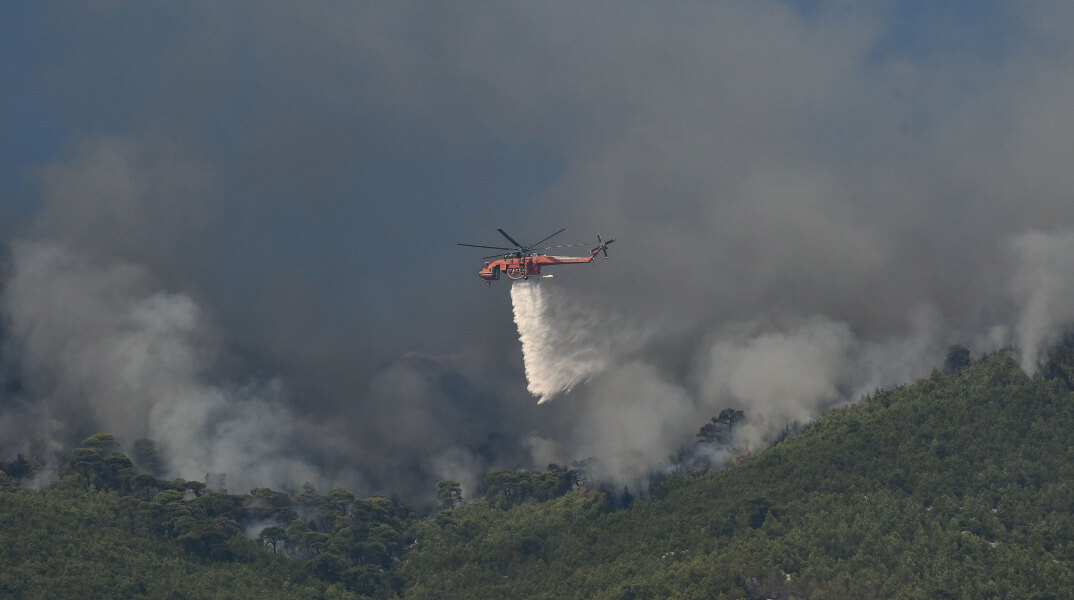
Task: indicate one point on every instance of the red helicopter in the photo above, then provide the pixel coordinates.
(523, 262)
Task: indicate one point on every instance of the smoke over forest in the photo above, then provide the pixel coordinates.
(232, 228)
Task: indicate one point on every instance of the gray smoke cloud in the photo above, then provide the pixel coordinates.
(254, 208)
(101, 345)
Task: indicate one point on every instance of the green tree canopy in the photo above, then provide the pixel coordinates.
(449, 493)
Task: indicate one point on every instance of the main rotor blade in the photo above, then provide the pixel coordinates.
(563, 246)
(548, 238)
(510, 239)
(489, 247)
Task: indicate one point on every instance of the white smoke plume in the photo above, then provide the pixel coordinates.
(459, 464)
(1043, 285)
(791, 371)
(779, 376)
(101, 347)
(564, 341)
(632, 415)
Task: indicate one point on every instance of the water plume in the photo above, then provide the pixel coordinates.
(564, 341)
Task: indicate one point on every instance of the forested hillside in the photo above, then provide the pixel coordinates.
(960, 485)
(107, 529)
(68, 543)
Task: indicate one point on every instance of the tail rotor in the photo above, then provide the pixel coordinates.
(602, 245)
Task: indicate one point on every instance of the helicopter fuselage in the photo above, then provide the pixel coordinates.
(517, 266)
(523, 262)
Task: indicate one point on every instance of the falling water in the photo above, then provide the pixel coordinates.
(556, 349)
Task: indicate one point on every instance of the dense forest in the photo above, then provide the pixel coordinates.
(958, 485)
(107, 529)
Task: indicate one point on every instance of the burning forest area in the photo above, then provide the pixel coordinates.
(244, 353)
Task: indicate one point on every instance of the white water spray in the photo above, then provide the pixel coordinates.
(557, 350)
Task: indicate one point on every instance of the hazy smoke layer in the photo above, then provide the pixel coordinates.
(252, 260)
(100, 346)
